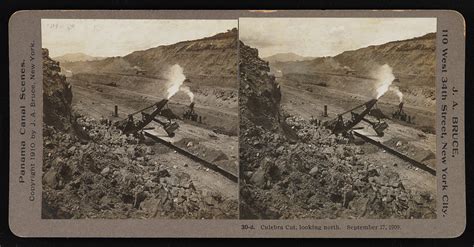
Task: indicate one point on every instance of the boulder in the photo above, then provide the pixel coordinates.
(105, 171)
(51, 179)
(314, 170)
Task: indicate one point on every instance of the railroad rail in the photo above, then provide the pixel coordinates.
(398, 154)
(234, 178)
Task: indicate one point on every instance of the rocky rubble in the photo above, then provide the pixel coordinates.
(317, 175)
(115, 176)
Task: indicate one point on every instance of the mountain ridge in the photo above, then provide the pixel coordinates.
(286, 57)
(76, 57)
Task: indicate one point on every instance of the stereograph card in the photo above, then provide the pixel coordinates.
(237, 123)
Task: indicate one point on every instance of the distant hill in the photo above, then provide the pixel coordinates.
(76, 57)
(286, 57)
(211, 60)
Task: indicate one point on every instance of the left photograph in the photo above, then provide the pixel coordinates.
(140, 119)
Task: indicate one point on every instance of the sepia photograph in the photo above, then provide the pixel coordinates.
(140, 119)
(337, 118)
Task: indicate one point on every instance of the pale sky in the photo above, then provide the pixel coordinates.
(319, 37)
(107, 37)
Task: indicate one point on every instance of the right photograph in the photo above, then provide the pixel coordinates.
(338, 118)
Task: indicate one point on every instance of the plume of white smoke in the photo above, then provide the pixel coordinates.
(187, 90)
(384, 78)
(397, 91)
(175, 79)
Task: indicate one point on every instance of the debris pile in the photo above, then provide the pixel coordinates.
(116, 176)
(311, 174)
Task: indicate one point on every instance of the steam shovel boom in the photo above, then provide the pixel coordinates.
(129, 125)
(338, 126)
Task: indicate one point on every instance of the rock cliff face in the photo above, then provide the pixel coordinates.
(57, 95)
(260, 95)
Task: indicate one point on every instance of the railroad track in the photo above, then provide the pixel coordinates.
(233, 177)
(398, 154)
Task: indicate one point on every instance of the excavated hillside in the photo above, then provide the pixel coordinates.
(419, 51)
(351, 71)
(292, 169)
(211, 61)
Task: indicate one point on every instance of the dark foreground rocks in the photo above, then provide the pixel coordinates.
(115, 176)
